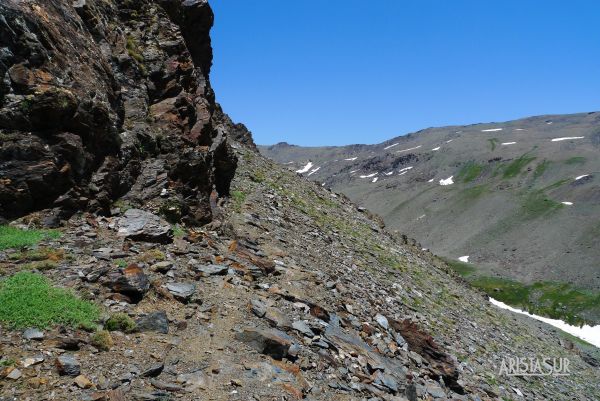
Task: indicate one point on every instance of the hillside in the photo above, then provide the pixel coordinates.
(521, 198)
(177, 263)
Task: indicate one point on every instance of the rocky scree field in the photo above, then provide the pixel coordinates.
(153, 254)
(518, 201)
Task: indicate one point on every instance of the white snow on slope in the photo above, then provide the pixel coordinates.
(447, 181)
(353, 171)
(567, 203)
(368, 176)
(519, 129)
(391, 146)
(402, 173)
(406, 150)
(352, 158)
(375, 179)
(491, 130)
(449, 140)
(430, 180)
(405, 169)
(313, 171)
(587, 333)
(581, 176)
(464, 259)
(438, 148)
(390, 173)
(566, 138)
(507, 143)
(305, 168)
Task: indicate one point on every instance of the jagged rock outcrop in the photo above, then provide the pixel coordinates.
(107, 99)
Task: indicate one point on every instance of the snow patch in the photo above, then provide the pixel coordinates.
(507, 143)
(313, 171)
(591, 334)
(519, 129)
(353, 171)
(305, 168)
(390, 173)
(449, 140)
(368, 176)
(464, 259)
(402, 173)
(447, 181)
(405, 169)
(406, 150)
(567, 203)
(430, 180)
(375, 179)
(438, 148)
(581, 176)
(566, 138)
(491, 130)
(391, 146)
(351, 159)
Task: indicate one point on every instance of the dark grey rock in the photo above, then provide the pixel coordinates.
(67, 365)
(212, 270)
(182, 291)
(155, 321)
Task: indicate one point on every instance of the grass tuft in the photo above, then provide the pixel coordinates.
(120, 322)
(238, 197)
(29, 300)
(12, 237)
(575, 160)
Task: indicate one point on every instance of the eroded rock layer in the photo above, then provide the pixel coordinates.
(107, 99)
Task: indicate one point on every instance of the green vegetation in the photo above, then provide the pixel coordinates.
(575, 160)
(7, 362)
(12, 237)
(29, 300)
(551, 299)
(514, 168)
(462, 268)
(555, 300)
(238, 197)
(121, 322)
(470, 171)
(472, 193)
(122, 263)
(556, 184)
(541, 168)
(536, 204)
(493, 143)
(133, 49)
(178, 231)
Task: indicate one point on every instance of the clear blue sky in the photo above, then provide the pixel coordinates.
(333, 72)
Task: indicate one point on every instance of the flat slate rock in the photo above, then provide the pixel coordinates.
(140, 225)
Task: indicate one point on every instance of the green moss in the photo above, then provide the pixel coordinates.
(121, 322)
(29, 300)
(238, 197)
(178, 231)
(576, 160)
(41, 265)
(133, 49)
(514, 168)
(541, 168)
(12, 237)
(472, 193)
(7, 362)
(537, 204)
(551, 299)
(122, 263)
(470, 171)
(463, 269)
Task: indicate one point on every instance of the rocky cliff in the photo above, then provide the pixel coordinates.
(107, 99)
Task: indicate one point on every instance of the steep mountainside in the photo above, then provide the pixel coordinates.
(521, 199)
(289, 292)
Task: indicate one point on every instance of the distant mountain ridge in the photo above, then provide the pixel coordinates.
(520, 198)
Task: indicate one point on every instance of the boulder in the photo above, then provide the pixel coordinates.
(270, 342)
(140, 225)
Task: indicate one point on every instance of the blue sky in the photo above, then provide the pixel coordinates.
(334, 72)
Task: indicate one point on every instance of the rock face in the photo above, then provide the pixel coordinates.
(107, 99)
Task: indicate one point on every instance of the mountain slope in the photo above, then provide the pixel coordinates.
(502, 204)
(289, 292)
